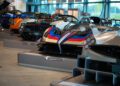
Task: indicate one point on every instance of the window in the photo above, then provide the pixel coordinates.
(30, 0)
(95, 0)
(59, 11)
(52, 8)
(94, 9)
(74, 12)
(51, 1)
(65, 6)
(70, 1)
(64, 1)
(114, 0)
(43, 1)
(38, 8)
(44, 8)
(29, 8)
(37, 1)
(79, 6)
(58, 1)
(76, 1)
(115, 10)
(33, 9)
(79, 1)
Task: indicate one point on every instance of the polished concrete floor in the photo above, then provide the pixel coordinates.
(12, 74)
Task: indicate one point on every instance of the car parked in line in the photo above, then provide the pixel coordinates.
(68, 35)
(32, 28)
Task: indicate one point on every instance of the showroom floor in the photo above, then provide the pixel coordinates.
(12, 74)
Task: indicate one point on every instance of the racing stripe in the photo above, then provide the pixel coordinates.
(66, 36)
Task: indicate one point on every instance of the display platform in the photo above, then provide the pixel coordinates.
(20, 44)
(77, 81)
(47, 62)
(93, 70)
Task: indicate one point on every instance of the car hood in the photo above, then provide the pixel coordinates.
(105, 37)
(29, 20)
(60, 24)
(71, 36)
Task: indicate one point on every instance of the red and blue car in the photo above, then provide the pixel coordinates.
(67, 35)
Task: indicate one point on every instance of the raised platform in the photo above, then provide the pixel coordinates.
(46, 62)
(77, 81)
(35, 59)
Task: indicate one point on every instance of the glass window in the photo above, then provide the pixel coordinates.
(44, 9)
(70, 1)
(114, 0)
(64, 6)
(94, 9)
(52, 8)
(30, 0)
(33, 9)
(80, 6)
(29, 8)
(59, 11)
(58, 5)
(58, 1)
(36, 8)
(74, 12)
(39, 8)
(64, 1)
(95, 0)
(51, 1)
(54, 1)
(115, 10)
(43, 1)
(79, 1)
(38, 1)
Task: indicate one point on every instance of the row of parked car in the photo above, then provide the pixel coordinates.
(59, 33)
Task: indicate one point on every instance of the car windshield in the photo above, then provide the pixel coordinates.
(43, 16)
(64, 21)
(85, 20)
(66, 18)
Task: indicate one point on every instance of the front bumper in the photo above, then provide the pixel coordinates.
(65, 48)
(30, 36)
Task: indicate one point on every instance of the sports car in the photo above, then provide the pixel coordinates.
(116, 23)
(15, 24)
(7, 16)
(32, 28)
(67, 36)
(5, 20)
(32, 31)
